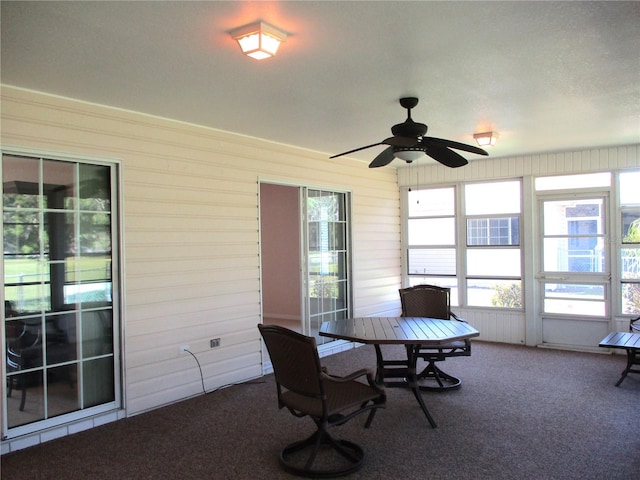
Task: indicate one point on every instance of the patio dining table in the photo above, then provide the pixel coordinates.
(409, 331)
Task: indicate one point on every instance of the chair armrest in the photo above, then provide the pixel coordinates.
(455, 317)
(633, 326)
(352, 376)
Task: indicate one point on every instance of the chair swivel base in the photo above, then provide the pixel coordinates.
(346, 457)
(433, 379)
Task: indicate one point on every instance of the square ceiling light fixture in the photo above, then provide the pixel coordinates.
(258, 40)
(486, 139)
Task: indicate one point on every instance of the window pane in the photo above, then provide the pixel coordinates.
(566, 182)
(492, 198)
(574, 299)
(98, 382)
(494, 262)
(27, 285)
(433, 231)
(95, 233)
(97, 337)
(59, 184)
(631, 225)
(95, 188)
(494, 293)
(630, 263)
(325, 207)
(436, 261)
(573, 217)
(34, 402)
(631, 298)
(431, 202)
(21, 233)
(61, 338)
(564, 255)
(20, 179)
(629, 191)
(493, 231)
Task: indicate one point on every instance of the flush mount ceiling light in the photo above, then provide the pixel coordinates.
(486, 139)
(258, 40)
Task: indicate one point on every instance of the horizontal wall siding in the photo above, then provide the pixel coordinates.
(191, 234)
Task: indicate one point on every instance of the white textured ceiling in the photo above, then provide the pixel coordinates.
(546, 75)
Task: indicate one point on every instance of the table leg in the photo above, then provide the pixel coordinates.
(408, 370)
(412, 378)
(630, 362)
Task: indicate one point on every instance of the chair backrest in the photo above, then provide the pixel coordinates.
(426, 301)
(295, 360)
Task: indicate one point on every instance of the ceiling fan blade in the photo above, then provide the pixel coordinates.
(445, 156)
(393, 141)
(384, 158)
(356, 150)
(397, 141)
(441, 142)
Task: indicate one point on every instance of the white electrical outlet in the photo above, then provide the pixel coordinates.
(184, 349)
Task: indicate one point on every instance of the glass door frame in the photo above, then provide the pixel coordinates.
(85, 411)
(340, 306)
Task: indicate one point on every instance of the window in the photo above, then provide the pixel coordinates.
(568, 182)
(490, 275)
(630, 241)
(493, 263)
(431, 238)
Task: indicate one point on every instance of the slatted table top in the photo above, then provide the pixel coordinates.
(398, 330)
(621, 340)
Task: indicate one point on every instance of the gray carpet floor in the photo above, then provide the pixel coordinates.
(522, 413)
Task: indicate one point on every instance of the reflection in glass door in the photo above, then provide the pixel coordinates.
(327, 256)
(575, 272)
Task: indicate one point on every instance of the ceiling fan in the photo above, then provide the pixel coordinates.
(409, 143)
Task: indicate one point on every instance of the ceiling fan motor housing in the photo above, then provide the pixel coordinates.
(409, 129)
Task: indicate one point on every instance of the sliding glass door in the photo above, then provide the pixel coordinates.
(59, 289)
(328, 289)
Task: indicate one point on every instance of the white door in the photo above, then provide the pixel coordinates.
(575, 270)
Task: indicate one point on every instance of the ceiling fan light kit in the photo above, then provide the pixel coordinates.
(258, 40)
(486, 139)
(409, 143)
(408, 154)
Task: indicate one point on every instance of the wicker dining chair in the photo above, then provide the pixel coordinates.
(434, 302)
(305, 388)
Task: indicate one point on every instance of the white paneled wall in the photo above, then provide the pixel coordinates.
(495, 325)
(191, 234)
(558, 163)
